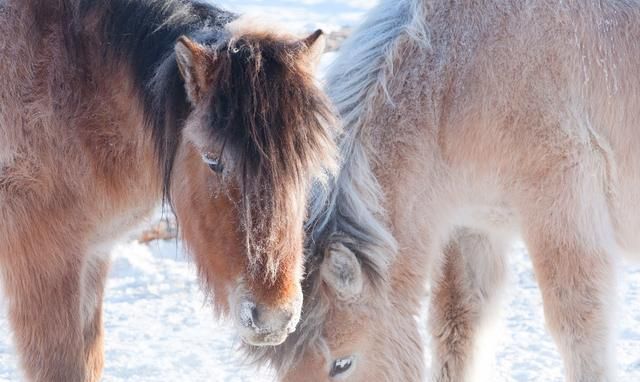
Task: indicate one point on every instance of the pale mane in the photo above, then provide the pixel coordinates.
(353, 209)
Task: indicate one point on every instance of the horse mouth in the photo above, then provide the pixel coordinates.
(265, 339)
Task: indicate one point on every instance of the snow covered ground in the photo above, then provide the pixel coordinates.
(159, 328)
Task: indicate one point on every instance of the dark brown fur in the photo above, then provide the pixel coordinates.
(259, 84)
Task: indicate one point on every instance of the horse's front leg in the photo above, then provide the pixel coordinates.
(42, 283)
(94, 276)
(464, 297)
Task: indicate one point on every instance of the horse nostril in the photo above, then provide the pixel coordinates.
(248, 314)
(255, 315)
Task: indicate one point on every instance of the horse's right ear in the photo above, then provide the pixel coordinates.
(192, 62)
(313, 46)
(341, 270)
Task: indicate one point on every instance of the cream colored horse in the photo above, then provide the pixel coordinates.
(469, 123)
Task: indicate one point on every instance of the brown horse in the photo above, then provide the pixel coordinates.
(105, 107)
(468, 123)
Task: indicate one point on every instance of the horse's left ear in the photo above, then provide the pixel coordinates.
(192, 63)
(341, 270)
(313, 46)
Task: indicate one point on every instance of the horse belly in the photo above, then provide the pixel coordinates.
(620, 139)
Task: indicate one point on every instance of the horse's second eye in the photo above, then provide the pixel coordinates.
(215, 164)
(340, 366)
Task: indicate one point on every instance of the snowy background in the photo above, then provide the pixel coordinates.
(159, 328)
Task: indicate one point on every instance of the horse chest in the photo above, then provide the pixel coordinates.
(117, 227)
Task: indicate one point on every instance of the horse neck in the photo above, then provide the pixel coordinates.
(367, 84)
(353, 211)
(141, 36)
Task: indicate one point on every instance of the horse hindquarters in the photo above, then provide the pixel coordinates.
(570, 237)
(464, 298)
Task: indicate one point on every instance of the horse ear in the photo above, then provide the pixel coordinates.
(341, 270)
(313, 46)
(192, 63)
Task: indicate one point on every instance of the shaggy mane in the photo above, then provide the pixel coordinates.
(144, 34)
(350, 210)
(277, 125)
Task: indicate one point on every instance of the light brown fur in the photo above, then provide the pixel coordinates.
(60, 200)
(491, 119)
(79, 169)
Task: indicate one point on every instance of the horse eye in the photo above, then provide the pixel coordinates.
(215, 164)
(340, 366)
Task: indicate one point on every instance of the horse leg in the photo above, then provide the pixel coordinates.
(463, 301)
(94, 278)
(571, 242)
(42, 284)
